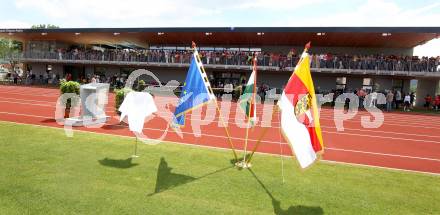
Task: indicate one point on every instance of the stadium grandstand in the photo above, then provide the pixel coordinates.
(344, 59)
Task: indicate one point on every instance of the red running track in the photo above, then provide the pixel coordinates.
(404, 141)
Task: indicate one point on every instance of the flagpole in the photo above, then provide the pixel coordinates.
(247, 164)
(281, 148)
(277, 109)
(217, 107)
(135, 148)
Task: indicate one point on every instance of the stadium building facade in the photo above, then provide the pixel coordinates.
(344, 58)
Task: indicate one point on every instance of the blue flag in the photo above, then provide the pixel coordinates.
(196, 91)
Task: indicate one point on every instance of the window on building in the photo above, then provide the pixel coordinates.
(367, 84)
(341, 83)
(398, 84)
(101, 71)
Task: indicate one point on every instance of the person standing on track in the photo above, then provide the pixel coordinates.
(437, 102)
(412, 96)
(428, 100)
(398, 99)
(390, 98)
(407, 101)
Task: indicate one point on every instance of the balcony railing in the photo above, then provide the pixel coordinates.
(238, 61)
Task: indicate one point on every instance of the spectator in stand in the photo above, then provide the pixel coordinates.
(323, 60)
(390, 98)
(407, 101)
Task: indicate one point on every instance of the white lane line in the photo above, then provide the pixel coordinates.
(407, 123)
(381, 167)
(340, 133)
(110, 109)
(155, 129)
(55, 92)
(253, 140)
(39, 94)
(383, 154)
(382, 137)
(32, 104)
(26, 100)
(384, 132)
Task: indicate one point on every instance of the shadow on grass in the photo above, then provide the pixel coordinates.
(167, 180)
(115, 163)
(276, 204)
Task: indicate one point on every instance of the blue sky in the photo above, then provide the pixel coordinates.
(226, 13)
(166, 13)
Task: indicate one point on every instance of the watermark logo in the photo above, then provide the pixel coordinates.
(223, 111)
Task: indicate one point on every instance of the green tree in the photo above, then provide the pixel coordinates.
(44, 26)
(9, 51)
(9, 48)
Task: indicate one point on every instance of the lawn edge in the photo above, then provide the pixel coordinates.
(239, 150)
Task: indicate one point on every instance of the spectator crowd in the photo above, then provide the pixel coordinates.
(227, 57)
(393, 99)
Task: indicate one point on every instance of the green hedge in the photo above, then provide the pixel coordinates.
(119, 97)
(141, 85)
(69, 87)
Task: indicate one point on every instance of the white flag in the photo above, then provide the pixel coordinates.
(136, 106)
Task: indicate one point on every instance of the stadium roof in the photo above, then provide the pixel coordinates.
(390, 37)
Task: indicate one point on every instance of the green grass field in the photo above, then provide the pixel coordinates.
(44, 172)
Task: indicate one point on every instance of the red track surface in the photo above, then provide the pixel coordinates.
(404, 141)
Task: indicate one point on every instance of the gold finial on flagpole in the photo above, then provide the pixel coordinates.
(254, 59)
(307, 47)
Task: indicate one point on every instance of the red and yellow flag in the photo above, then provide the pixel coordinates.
(299, 114)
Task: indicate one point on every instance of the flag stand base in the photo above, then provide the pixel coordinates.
(243, 165)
